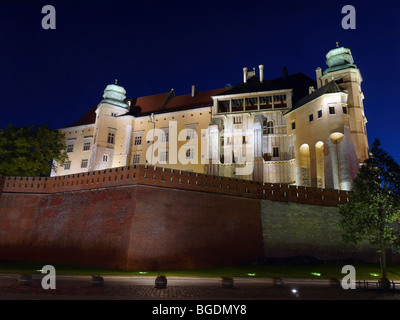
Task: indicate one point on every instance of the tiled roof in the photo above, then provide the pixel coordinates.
(154, 103)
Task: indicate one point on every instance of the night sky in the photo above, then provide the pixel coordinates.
(151, 46)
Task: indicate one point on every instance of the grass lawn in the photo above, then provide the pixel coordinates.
(323, 271)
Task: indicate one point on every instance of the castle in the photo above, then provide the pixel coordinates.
(292, 130)
(229, 176)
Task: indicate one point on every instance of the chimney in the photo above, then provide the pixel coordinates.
(261, 67)
(285, 73)
(311, 89)
(318, 75)
(195, 91)
(244, 74)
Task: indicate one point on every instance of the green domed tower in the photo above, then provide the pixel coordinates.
(342, 70)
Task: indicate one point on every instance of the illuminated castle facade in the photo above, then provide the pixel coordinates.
(292, 130)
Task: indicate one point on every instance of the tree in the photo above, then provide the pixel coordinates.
(373, 211)
(29, 151)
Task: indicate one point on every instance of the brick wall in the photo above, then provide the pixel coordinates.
(170, 178)
(148, 218)
(293, 229)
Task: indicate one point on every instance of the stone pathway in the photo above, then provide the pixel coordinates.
(80, 288)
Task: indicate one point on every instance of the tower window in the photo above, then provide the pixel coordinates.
(332, 110)
(344, 110)
(105, 158)
(293, 125)
(111, 138)
(319, 114)
(310, 118)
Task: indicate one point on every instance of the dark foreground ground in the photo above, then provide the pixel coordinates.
(183, 288)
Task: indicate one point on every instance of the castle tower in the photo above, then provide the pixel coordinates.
(344, 72)
(113, 131)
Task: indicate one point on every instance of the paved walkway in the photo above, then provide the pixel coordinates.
(182, 288)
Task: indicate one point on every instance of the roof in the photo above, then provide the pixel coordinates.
(298, 82)
(88, 118)
(159, 103)
(330, 87)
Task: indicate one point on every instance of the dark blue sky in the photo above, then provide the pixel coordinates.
(151, 46)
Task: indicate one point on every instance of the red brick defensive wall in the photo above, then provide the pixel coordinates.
(149, 218)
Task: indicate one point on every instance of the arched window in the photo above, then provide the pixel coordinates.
(268, 126)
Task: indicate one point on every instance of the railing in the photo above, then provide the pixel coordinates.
(171, 178)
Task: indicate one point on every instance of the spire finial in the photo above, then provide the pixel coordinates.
(116, 81)
(337, 44)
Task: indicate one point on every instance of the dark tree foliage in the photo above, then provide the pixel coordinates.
(373, 212)
(29, 151)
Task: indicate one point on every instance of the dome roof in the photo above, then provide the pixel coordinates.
(115, 94)
(339, 58)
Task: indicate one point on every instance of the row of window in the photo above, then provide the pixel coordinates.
(190, 134)
(84, 164)
(331, 110)
(70, 146)
(135, 159)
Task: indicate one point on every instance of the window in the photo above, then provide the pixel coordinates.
(105, 158)
(190, 134)
(138, 140)
(275, 152)
(84, 163)
(332, 110)
(86, 145)
(244, 139)
(164, 156)
(165, 136)
(67, 165)
(190, 153)
(111, 138)
(237, 120)
(344, 110)
(270, 127)
(136, 159)
(319, 114)
(113, 114)
(293, 125)
(310, 118)
(70, 146)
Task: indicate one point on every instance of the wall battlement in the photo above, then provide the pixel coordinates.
(171, 178)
